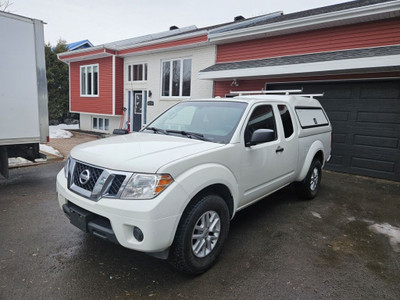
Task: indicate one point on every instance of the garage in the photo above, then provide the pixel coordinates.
(365, 117)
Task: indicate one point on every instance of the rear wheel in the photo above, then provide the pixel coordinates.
(308, 188)
(200, 236)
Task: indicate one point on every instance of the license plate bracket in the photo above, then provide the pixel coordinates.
(80, 218)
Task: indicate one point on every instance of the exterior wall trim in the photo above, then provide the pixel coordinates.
(92, 54)
(113, 85)
(94, 114)
(391, 9)
(105, 50)
(326, 66)
(334, 80)
(159, 50)
(176, 38)
(164, 46)
(69, 83)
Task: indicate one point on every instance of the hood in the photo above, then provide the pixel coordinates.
(139, 152)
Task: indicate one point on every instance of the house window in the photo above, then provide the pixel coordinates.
(176, 77)
(137, 72)
(100, 123)
(90, 80)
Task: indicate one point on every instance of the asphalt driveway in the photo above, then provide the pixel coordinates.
(341, 245)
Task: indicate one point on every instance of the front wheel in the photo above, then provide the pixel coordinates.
(200, 235)
(308, 188)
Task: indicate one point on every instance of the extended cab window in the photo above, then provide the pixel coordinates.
(261, 118)
(286, 120)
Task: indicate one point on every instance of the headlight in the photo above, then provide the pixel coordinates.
(67, 166)
(146, 186)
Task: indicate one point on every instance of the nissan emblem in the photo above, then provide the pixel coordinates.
(84, 176)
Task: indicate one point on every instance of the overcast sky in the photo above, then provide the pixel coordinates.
(104, 21)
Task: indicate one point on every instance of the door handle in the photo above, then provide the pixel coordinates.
(279, 149)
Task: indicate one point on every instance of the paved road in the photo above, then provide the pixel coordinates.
(280, 248)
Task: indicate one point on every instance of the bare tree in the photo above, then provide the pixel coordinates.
(4, 5)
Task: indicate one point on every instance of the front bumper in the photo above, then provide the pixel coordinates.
(157, 218)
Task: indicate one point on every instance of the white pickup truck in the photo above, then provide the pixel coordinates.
(171, 189)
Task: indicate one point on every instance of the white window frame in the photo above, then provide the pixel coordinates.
(171, 78)
(84, 69)
(130, 73)
(103, 121)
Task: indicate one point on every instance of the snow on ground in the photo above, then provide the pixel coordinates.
(59, 132)
(19, 161)
(316, 215)
(56, 132)
(16, 161)
(50, 150)
(393, 233)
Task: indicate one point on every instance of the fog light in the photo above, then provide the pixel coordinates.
(138, 234)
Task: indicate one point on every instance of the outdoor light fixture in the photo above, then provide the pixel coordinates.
(234, 83)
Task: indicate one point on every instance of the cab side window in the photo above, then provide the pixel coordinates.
(286, 120)
(262, 117)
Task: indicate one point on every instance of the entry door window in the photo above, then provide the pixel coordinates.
(138, 103)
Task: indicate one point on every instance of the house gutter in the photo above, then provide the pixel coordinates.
(88, 53)
(164, 40)
(111, 47)
(370, 12)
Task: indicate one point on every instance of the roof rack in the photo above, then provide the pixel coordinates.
(312, 95)
(285, 92)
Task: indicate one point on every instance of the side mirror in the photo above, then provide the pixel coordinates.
(261, 136)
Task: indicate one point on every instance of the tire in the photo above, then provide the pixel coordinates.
(308, 188)
(195, 249)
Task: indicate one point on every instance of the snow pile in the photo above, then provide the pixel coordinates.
(20, 161)
(59, 132)
(16, 161)
(393, 233)
(50, 150)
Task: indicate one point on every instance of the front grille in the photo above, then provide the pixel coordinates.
(116, 185)
(94, 174)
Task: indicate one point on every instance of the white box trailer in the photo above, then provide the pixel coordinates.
(24, 119)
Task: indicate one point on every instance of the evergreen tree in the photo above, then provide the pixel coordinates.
(57, 82)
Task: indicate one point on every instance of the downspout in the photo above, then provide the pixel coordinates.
(69, 89)
(113, 85)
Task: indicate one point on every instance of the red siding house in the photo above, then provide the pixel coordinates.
(118, 84)
(350, 52)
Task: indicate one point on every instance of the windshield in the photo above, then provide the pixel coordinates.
(206, 120)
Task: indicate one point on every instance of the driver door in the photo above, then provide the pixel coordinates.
(261, 170)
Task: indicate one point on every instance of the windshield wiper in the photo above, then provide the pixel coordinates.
(190, 135)
(157, 130)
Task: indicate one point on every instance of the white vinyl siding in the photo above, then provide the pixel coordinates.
(201, 58)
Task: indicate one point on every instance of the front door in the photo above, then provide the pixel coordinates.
(136, 109)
